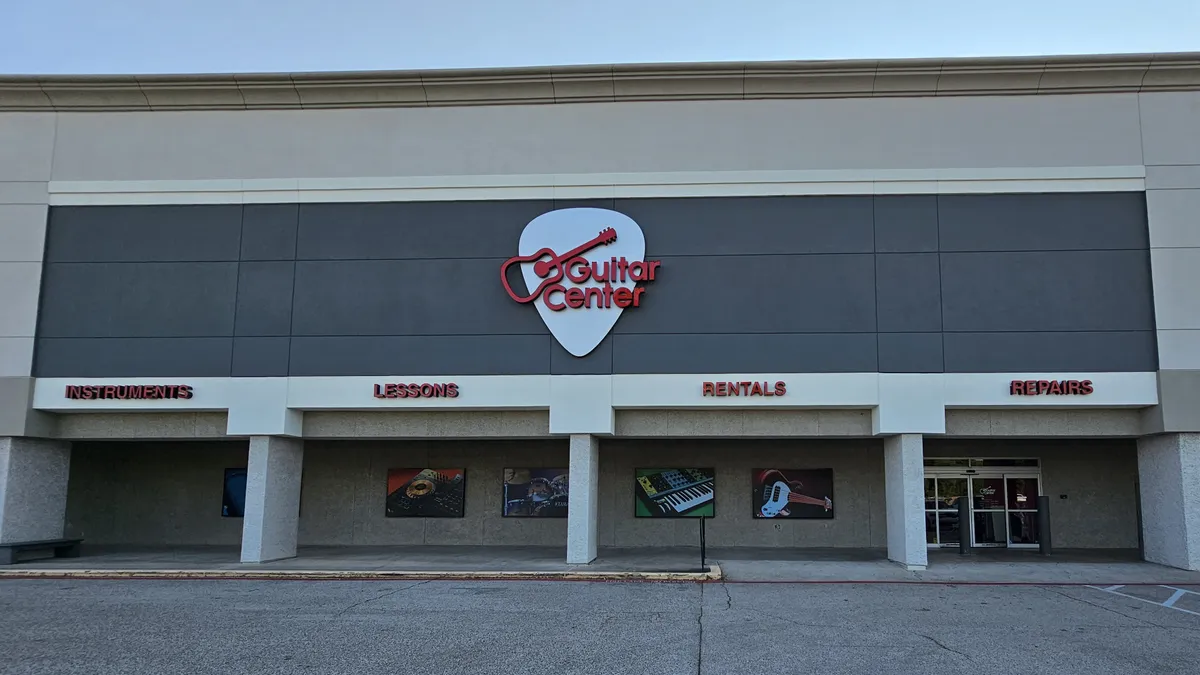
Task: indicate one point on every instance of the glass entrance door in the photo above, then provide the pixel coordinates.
(1003, 507)
(1004, 510)
(988, 523)
(1022, 494)
(942, 495)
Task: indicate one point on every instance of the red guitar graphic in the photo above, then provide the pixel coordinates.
(776, 498)
(551, 270)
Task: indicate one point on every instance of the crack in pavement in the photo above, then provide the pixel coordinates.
(378, 597)
(728, 598)
(943, 646)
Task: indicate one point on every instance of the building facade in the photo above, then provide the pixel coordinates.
(816, 304)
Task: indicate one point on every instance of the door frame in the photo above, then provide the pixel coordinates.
(1003, 476)
(1003, 473)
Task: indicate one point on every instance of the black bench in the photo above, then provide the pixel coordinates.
(63, 548)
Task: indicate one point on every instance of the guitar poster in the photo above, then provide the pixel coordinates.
(426, 493)
(674, 493)
(535, 493)
(792, 493)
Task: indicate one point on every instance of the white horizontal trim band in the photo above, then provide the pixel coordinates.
(913, 403)
(603, 186)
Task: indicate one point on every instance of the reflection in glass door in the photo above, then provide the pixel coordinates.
(1022, 510)
(942, 495)
(989, 527)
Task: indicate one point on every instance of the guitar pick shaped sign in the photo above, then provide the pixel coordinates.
(581, 269)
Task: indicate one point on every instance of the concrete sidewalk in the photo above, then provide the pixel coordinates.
(738, 565)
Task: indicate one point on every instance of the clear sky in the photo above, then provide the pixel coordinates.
(214, 36)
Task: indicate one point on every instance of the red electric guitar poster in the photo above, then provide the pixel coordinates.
(793, 493)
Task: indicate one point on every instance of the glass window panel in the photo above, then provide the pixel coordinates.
(988, 493)
(931, 527)
(931, 493)
(950, 490)
(1023, 528)
(1022, 493)
(948, 527)
(989, 528)
(935, 461)
(1004, 462)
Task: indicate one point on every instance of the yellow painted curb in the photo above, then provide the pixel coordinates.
(713, 574)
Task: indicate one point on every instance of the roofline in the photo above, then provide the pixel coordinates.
(1010, 76)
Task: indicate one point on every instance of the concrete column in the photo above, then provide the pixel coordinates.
(1169, 473)
(904, 479)
(272, 518)
(33, 488)
(584, 506)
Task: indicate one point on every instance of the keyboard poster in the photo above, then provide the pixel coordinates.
(793, 493)
(535, 493)
(674, 493)
(426, 493)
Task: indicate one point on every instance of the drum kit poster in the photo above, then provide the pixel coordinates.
(535, 493)
(426, 493)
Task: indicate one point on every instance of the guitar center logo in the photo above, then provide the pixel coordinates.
(581, 268)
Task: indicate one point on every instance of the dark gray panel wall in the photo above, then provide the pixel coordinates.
(922, 283)
(435, 296)
(145, 234)
(757, 294)
(158, 299)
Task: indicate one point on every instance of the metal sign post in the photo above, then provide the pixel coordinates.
(964, 525)
(1043, 524)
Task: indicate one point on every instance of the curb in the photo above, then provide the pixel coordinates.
(713, 574)
(948, 582)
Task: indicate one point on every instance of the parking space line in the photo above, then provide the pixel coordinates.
(1169, 604)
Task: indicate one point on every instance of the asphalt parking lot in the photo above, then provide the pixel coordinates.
(104, 627)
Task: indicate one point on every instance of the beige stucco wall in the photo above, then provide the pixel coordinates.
(1099, 478)
(859, 518)
(152, 493)
(169, 493)
(342, 502)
